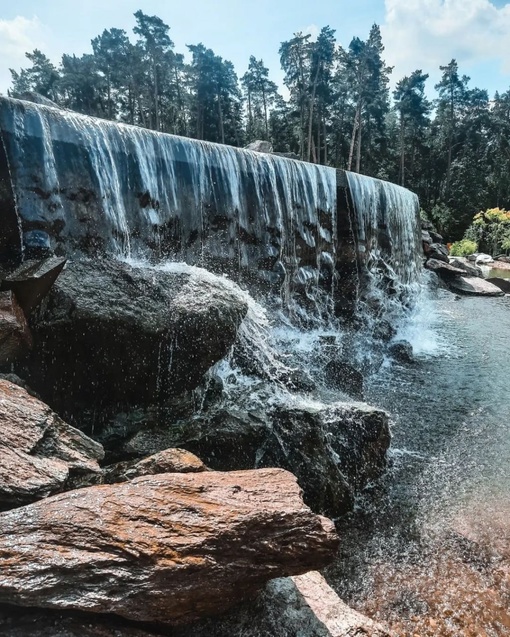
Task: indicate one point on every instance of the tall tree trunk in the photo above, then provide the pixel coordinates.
(264, 101)
(250, 116)
(353, 136)
(220, 116)
(402, 149)
(358, 151)
(310, 114)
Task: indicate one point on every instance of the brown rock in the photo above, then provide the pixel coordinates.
(166, 548)
(168, 461)
(339, 619)
(15, 336)
(39, 452)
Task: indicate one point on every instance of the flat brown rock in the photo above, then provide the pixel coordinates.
(167, 461)
(167, 548)
(39, 452)
(338, 619)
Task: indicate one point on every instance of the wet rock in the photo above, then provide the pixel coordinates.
(303, 605)
(502, 284)
(436, 237)
(474, 286)
(261, 146)
(443, 268)
(15, 622)
(15, 337)
(32, 281)
(504, 259)
(334, 450)
(483, 259)
(167, 548)
(340, 375)
(402, 351)
(425, 237)
(384, 330)
(463, 264)
(39, 453)
(113, 334)
(168, 461)
(437, 251)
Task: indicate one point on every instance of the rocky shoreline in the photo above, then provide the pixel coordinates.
(113, 515)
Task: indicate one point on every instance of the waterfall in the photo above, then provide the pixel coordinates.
(386, 226)
(101, 187)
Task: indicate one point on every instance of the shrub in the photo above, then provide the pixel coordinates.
(463, 248)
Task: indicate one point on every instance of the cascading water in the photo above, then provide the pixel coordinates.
(386, 225)
(99, 186)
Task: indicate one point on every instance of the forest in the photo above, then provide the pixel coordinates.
(338, 110)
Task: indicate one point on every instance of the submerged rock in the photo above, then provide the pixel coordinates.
(39, 453)
(167, 548)
(334, 450)
(111, 333)
(474, 286)
(402, 351)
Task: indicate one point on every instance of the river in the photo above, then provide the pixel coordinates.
(428, 551)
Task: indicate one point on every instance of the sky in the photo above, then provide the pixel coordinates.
(417, 34)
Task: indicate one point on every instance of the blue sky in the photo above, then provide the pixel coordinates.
(416, 33)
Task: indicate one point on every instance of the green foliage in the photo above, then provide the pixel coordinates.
(463, 248)
(491, 230)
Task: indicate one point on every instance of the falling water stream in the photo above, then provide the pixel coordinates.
(429, 552)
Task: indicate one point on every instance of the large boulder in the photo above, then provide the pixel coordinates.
(168, 548)
(463, 264)
(111, 333)
(474, 286)
(334, 450)
(442, 268)
(39, 453)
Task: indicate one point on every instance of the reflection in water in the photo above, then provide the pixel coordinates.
(432, 556)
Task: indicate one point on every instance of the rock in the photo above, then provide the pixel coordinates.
(261, 146)
(443, 268)
(502, 284)
(503, 259)
(463, 264)
(436, 238)
(345, 377)
(304, 605)
(425, 237)
(167, 548)
(37, 98)
(427, 225)
(483, 259)
(474, 286)
(168, 461)
(113, 334)
(15, 337)
(437, 251)
(32, 281)
(402, 351)
(37, 623)
(39, 453)
(334, 450)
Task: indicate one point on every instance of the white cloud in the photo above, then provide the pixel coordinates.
(424, 34)
(17, 36)
(313, 30)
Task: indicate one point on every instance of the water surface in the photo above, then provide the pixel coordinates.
(429, 553)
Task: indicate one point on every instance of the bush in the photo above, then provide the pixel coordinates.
(463, 248)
